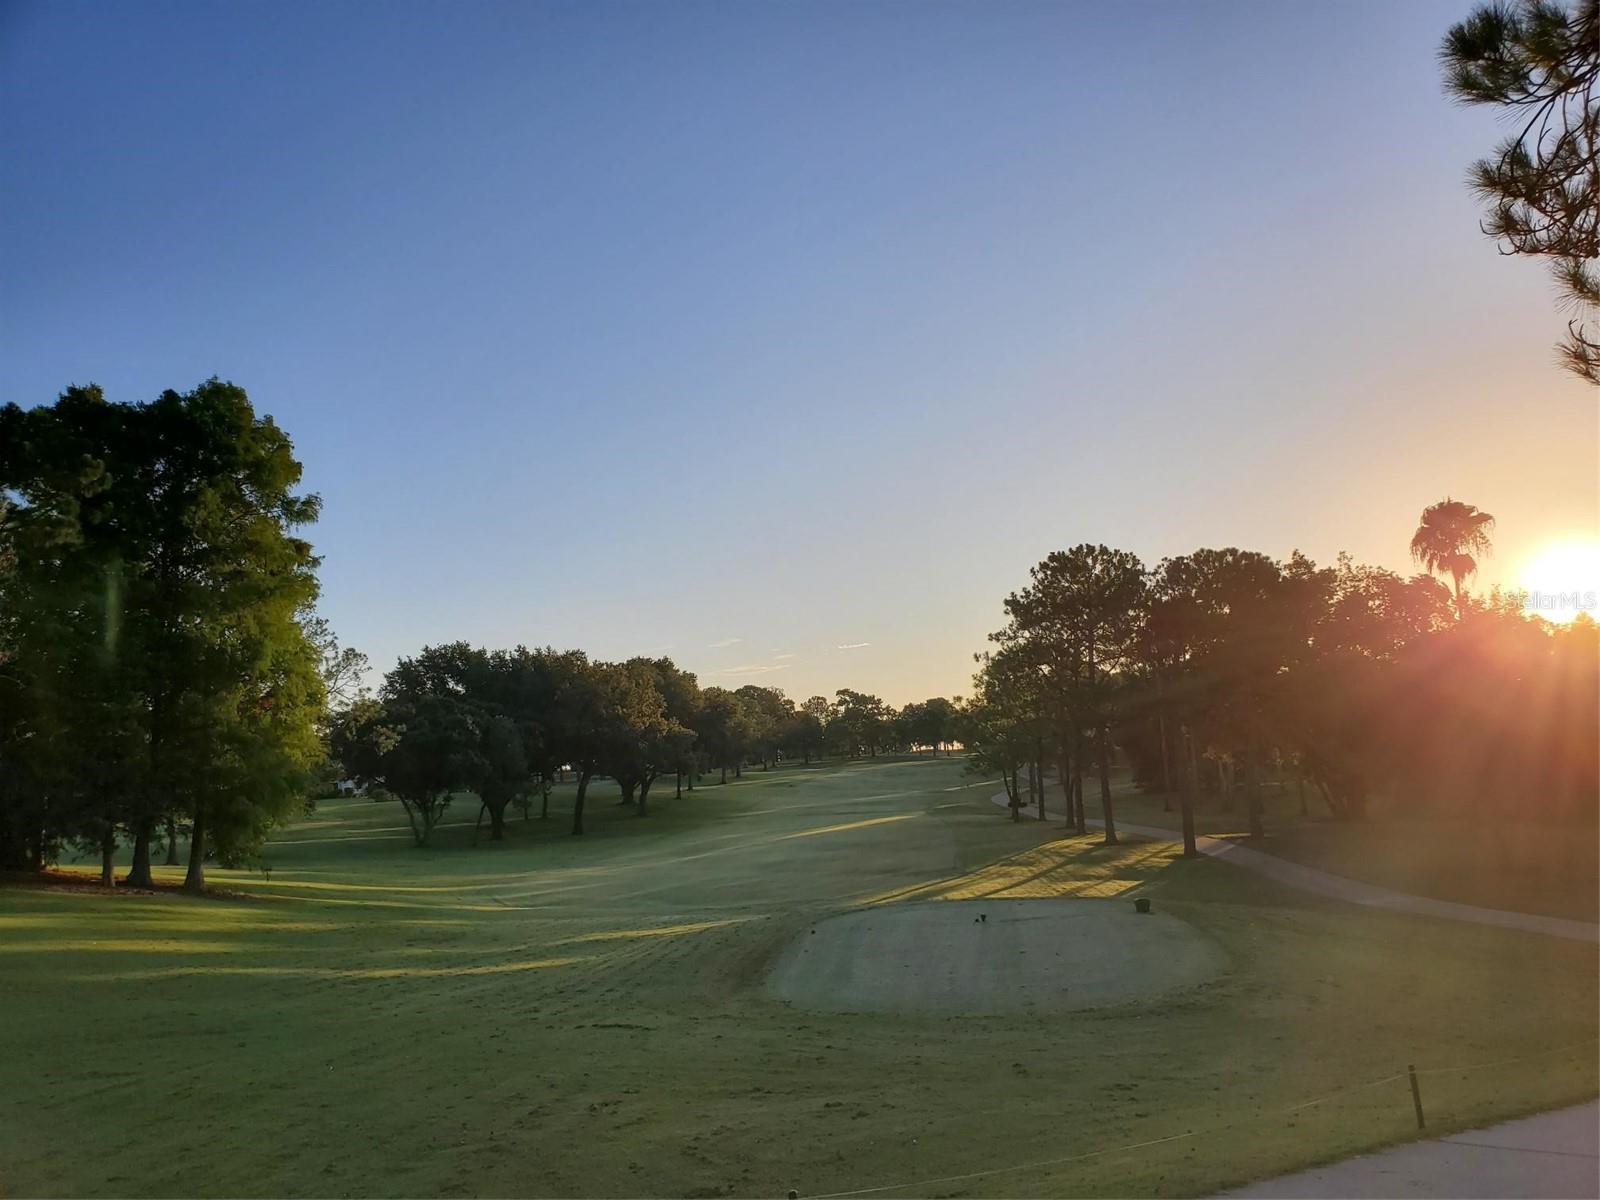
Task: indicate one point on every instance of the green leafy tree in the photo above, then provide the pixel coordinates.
(724, 730)
(1538, 61)
(859, 722)
(648, 741)
(422, 750)
(177, 556)
(504, 777)
(769, 712)
(1001, 727)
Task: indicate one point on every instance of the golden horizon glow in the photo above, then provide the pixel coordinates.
(1562, 578)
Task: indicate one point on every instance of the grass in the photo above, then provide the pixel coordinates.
(563, 1016)
(1494, 862)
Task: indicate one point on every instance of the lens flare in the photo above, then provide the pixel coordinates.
(1562, 579)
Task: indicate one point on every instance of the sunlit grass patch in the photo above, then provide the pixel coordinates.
(612, 935)
(117, 945)
(848, 825)
(1062, 868)
(209, 971)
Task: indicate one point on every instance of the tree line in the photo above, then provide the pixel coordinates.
(505, 726)
(164, 676)
(1349, 680)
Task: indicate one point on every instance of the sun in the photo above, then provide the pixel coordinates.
(1562, 579)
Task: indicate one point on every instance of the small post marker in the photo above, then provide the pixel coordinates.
(1416, 1095)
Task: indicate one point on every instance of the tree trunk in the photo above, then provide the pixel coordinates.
(577, 804)
(738, 769)
(628, 787)
(1013, 793)
(1191, 785)
(1300, 786)
(195, 879)
(1079, 815)
(1166, 766)
(1105, 785)
(1252, 784)
(172, 841)
(1038, 771)
(644, 797)
(679, 796)
(1064, 770)
(139, 870)
(497, 820)
(724, 772)
(108, 851)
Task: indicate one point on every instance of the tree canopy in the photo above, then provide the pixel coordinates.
(1538, 61)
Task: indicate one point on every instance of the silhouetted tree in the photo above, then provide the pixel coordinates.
(1450, 539)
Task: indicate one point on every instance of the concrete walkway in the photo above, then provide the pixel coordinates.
(1555, 1154)
(1338, 887)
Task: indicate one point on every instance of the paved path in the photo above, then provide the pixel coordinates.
(1338, 887)
(1555, 1154)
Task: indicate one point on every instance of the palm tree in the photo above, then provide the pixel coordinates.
(1452, 537)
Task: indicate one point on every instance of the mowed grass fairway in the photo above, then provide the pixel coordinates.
(563, 1016)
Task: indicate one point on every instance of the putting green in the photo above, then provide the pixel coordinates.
(977, 957)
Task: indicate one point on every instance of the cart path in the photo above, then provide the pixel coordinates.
(1555, 1154)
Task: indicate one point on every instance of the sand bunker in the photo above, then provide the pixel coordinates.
(1027, 956)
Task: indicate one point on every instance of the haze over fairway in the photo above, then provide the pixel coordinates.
(563, 1016)
(829, 272)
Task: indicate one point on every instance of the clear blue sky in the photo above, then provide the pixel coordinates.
(650, 327)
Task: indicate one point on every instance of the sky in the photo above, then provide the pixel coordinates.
(783, 338)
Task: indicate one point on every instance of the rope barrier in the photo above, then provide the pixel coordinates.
(1178, 1137)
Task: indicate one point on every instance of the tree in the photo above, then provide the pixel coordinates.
(583, 712)
(421, 750)
(809, 727)
(859, 721)
(931, 723)
(503, 776)
(769, 711)
(647, 741)
(681, 701)
(724, 728)
(1004, 723)
(1077, 622)
(343, 667)
(1539, 61)
(169, 530)
(1450, 539)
